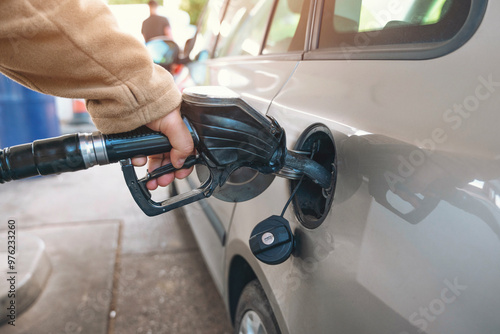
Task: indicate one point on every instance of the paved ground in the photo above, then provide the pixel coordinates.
(114, 270)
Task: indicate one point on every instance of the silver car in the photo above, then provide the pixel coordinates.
(400, 99)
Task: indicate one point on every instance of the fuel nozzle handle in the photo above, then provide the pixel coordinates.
(75, 152)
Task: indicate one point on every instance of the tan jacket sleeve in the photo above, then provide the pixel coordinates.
(74, 49)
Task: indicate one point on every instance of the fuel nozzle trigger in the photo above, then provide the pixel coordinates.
(142, 195)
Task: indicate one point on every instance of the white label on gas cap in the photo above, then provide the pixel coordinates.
(267, 238)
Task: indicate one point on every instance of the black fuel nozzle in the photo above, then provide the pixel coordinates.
(229, 134)
(232, 135)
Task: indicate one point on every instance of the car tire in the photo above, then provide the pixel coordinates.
(254, 314)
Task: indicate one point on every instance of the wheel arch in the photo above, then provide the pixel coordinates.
(240, 274)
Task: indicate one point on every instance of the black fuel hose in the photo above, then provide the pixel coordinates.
(75, 152)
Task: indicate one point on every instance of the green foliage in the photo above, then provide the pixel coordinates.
(194, 8)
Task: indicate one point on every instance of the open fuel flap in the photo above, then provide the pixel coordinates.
(311, 202)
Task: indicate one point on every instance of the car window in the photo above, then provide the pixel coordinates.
(243, 28)
(362, 23)
(288, 27)
(208, 29)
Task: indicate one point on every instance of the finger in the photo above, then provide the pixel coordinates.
(183, 173)
(176, 131)
(139, 161)
(154, 162)
(165, 180)
(152, 184)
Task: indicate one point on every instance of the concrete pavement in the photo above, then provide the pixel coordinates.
(114, 270)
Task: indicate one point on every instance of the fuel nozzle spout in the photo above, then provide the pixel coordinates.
(304, 165)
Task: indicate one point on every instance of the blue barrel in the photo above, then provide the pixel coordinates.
(25, 115)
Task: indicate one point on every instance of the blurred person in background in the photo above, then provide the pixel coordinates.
(155, 25)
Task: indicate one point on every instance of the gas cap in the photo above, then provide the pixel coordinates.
(272, 240)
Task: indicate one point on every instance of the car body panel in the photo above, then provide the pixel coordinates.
(257, 81)
(398, 268)
(203, 230)
(406, 132)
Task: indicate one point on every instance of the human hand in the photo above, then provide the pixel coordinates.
(176, 131)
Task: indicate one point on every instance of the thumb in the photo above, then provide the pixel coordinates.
(179, 136)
